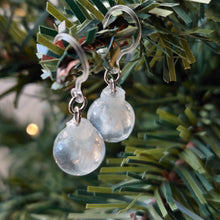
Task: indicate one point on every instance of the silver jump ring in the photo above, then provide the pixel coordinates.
(72, 109)
(112, 82)
(106, 76)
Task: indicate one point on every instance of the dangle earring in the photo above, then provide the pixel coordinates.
(79, 148)
(114, 117)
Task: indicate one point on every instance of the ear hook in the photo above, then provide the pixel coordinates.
(82, 57)
(130, 12)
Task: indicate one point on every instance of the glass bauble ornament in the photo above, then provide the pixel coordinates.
(112, 116)
(79, 149)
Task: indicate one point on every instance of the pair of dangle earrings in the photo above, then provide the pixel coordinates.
(79, 148)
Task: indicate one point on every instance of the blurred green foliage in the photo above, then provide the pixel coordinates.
(169, 167)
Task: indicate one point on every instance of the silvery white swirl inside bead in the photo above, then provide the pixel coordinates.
(112, 116)
(79, 149)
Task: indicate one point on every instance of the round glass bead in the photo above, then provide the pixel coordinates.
(79, 149)
(112, 116)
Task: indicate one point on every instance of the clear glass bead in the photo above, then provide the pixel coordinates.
(112, 116)
(79, 149)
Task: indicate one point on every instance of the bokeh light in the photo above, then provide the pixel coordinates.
(32, 129)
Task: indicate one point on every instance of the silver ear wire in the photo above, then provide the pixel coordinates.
(82, 57)
(130, 12)
(76, 92)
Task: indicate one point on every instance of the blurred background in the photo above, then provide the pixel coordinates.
(31, 114)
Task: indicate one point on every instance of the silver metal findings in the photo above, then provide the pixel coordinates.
(116, 70)
(130, 12)
(76, 92)
(82, 57)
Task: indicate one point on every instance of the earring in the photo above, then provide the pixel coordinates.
(111, 114)
(79, 148)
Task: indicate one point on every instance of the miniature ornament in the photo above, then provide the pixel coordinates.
(112, 115)
(79, 149)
